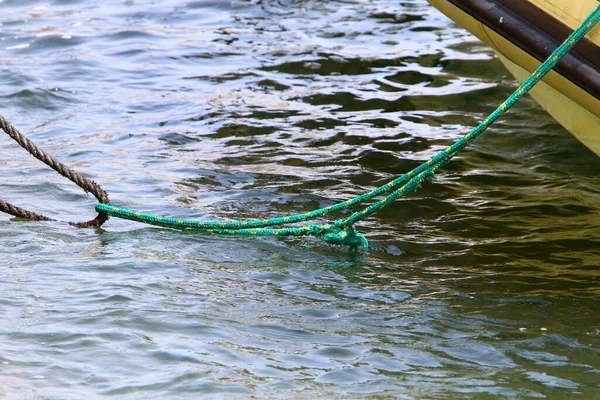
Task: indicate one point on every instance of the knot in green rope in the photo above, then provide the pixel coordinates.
(345, 236)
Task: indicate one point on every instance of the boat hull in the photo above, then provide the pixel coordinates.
(571, 93)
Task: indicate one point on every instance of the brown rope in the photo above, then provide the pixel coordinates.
(88, 185)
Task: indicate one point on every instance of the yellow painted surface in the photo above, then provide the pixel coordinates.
(570, 13)
(584, 125)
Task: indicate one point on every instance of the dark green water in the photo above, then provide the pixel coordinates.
(482, 285)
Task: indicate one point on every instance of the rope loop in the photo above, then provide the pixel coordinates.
(347, 236)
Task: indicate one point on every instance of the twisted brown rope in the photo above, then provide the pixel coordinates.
(88, 185)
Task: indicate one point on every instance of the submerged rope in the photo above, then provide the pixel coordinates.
(342, 231)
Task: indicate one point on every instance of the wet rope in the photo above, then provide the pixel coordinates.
(88, 185)
(342, 231)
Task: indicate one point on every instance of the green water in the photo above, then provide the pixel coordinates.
(482, 285)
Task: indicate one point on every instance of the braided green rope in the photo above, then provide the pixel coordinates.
(342, 231)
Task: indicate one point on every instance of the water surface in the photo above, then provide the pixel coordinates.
(483, 284)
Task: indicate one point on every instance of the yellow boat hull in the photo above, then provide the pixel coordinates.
(575, 105)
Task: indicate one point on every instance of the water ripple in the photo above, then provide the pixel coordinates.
(483, 284)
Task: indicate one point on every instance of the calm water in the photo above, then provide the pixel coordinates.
(482, 285)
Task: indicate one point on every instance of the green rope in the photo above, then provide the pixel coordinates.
(342, 231)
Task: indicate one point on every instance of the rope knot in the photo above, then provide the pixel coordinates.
(347, 236)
